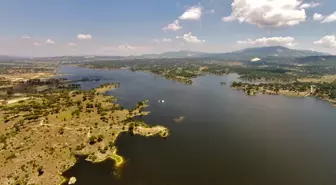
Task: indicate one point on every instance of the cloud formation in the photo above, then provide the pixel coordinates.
(193, 13)
(329, 18)
(25, 37)
(318, 17)
(270, 41)
(84, 36)
(328, 41)
(189, 38)
(309, 5)
(166, 39)
(71, 44)
(267, 13)
(126, 47)
(49, 41)
(37, 44)
(123, 48)
(173, 26)
(162, 40)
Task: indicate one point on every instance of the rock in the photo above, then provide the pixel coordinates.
(179, 119)
(72, 180)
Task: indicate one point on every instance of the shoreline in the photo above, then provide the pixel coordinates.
(289, 93)
(86, 123)
(285, 93)
(118, 159)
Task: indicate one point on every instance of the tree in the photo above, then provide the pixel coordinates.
(140, 103)
(61, 131)
(92, 140)
(100, 138)
(40, 171)
(333, 94)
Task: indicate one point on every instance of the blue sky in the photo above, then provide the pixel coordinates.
(125, 27)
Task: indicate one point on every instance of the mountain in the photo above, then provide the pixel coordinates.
(175, 54)
(9, 58)
(275, 51)
(245, 54)
(267, 52)
(321, 60)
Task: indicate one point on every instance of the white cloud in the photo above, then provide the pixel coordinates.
(173, 26)
(271, 41)
(25, 37)
(126, 47)
(162, 40)
(71, 44)
(166, 39)
(155, 41)
(267, 13)
(330, 18)
(212, 11)
(37, 44)
(229, 18)
(318, 17)
(49, 41)
(188, 37)
(84, 36)
(193, 13)
(310, 5)
(327, 41)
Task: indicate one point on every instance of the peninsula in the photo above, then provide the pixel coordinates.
(43, 133)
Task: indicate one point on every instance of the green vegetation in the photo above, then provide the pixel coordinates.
(184, 70)
(325, 91)
(46, 131)
(277, 75)
(48, 121)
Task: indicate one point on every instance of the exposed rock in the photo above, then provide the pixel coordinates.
(72, 180)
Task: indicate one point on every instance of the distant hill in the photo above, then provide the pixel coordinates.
(8, 58)
(320, 60)
(272, 53)
(76, 58)
(245, 54)
(175, 54)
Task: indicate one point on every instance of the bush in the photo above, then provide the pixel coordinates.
(100, 138)
(92, 140)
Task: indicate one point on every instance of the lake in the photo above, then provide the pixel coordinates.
(225, 138)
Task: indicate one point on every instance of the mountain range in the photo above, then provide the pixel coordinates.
(245, 54)
(241, 55)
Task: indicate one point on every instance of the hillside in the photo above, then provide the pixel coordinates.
(175, 54)
(265, 52)
(245, 54)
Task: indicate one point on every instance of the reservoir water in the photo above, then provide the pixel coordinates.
(226, 137)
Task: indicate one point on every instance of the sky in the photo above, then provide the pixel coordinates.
(135, 27)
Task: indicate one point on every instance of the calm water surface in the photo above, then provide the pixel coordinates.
(226, 137)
